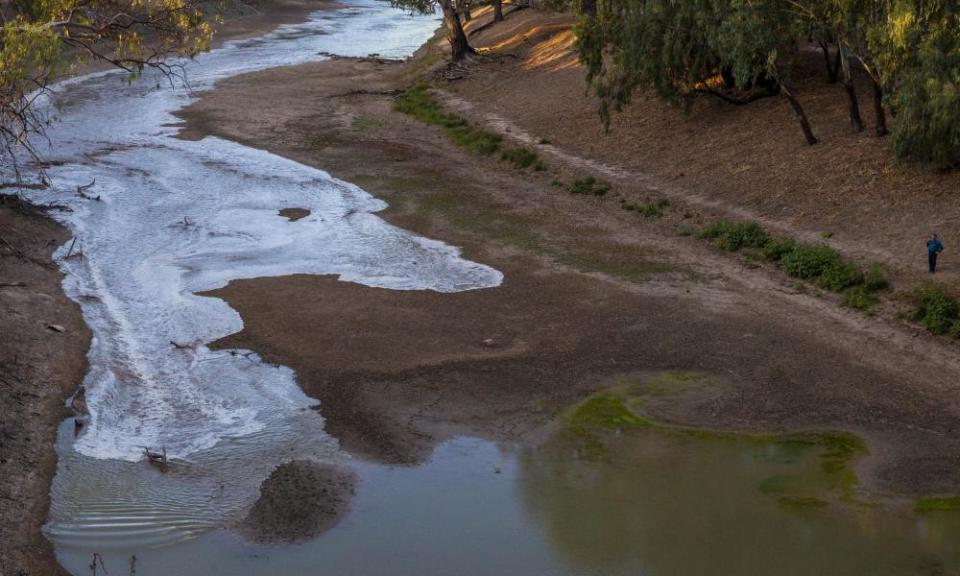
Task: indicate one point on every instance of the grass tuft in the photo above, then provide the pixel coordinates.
(521, 158)
(935, 309)
(859, 298)
(418, 103)
(732, 236)
(589, 186)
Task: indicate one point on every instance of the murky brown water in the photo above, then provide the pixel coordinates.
(657, 503)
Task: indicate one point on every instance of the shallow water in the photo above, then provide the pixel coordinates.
(663, 504)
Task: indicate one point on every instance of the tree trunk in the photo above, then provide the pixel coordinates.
(459, 47)
(498, 10)
(881, 115)
(855, 119)
(588, 8)
(801, 115)
(831, 66)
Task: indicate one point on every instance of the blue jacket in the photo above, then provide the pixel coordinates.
(934, 246)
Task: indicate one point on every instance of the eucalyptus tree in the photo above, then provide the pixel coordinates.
(916, 48)
(459, 46)
(40, 40)
(677, 49)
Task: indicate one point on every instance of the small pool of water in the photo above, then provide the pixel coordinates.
(656, 503)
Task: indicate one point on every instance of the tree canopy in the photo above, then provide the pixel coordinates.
(41, 39)
(740, 50)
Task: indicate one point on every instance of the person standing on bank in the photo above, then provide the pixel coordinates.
(934, 248)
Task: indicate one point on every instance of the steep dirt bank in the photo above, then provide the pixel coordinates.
(42, 360)
(745, 162)
(591, 293)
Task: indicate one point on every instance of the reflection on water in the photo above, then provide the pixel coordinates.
(658, 503)
(663, 502)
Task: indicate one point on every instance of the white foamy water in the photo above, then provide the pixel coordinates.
(176, 218)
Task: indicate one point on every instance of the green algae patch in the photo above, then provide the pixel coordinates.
(938, 504)
(606, 411)
(621, 409)
(599, 414)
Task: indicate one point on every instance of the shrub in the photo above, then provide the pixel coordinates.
(875, 280)
(840, 275)
(935, 309)
(808, 261)
(589, 186)
(955, 329)
(522, 158)
(776, 248)
(859, 298)
(733, 236)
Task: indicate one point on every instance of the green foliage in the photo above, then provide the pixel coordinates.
(41, 39)
(910, 49)
(522, 159)
(418, 103)
(732, 236)
(935, 309)
(776, 248)
(589, 186)
(955, 329)
(648, 210)
(840, 275)
(875, 280)
(808, 261)
(917, 50)
(859, 298)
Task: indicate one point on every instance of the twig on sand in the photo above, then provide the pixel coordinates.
(13, 285)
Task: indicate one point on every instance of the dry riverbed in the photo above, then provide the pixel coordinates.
(591, 293)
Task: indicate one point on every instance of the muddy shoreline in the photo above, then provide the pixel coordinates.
(42, 361)
(590, 295)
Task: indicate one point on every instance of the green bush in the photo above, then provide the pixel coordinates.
(522, 158)
(776, 248)
(955, 329)
(875, 280)
(935, 309)
(840, 275)
(589, 186)
(733, 236)
(651, 210)
(859, 297)
(808, 261)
